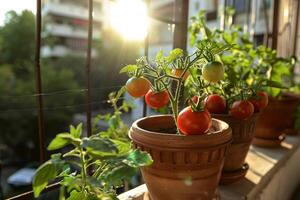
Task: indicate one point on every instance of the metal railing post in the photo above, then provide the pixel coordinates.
(181, 27)
(275, 24)
(38, 80)
(88, 70)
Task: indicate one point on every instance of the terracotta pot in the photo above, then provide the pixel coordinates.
(184, 167)
(275, 120)
(242, 132)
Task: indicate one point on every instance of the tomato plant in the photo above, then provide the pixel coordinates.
(215, 104)
(193, 122)
(137, 87)
(167, 74)
(242, 109)
(260, 101)
(157, 100)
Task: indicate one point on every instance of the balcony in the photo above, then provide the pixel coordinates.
(63, 30)
(69, 10)
(61, 51)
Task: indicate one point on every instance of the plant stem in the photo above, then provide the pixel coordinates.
(83, 169)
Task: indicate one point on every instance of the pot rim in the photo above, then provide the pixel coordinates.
(135, 125)
(176, 142)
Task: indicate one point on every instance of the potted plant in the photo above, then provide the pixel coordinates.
(273, 125)
(187, 147)
(92, 167)
(239, 98)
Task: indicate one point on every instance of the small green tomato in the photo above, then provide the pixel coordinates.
(213, 71)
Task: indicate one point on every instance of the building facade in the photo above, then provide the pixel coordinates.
(65, 26)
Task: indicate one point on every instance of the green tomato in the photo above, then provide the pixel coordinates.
(213, 71)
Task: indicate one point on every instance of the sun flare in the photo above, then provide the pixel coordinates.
(130, 19)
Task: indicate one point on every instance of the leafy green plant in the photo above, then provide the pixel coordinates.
(94, 166)
(248, 70)
(117, 129)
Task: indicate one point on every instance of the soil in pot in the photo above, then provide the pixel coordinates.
(184, 167)
(275, 121)
(235, 167)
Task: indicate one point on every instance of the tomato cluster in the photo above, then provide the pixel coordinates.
(241, 109)
(139, 87)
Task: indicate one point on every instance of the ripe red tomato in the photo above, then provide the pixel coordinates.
(260, 101)
(242, 109)
(193, 123)
(178, 72)
(157, 99)
(137, 87)
(215, 104)
(213, 71)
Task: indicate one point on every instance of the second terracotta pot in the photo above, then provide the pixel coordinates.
(243, 132)
(275, 120)
(184, 167)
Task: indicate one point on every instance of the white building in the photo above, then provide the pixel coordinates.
(65, 26)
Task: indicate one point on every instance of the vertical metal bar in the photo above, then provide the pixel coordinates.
(181, 31)
(223, 18)
(234, 15)
(146, 53)
(253, 18)
(248, 16)
(296, 28)
(38, 80)
(266, 37)
(275, 24)
(88, 70)
(181, 27)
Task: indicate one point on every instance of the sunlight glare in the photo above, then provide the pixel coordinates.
(130, 19)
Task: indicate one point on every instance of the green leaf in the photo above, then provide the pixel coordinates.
(58, 142)
(61, 140)
(76, 132)
(159, 56)
(174, 54)
(75, 195)
(274, 84)
(99, 146)
(44, 173)
(122, 146)
(72, 183)
(128, 69)
(119, 173)
(138, 158)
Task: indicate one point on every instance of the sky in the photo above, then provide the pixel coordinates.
(17, 5)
